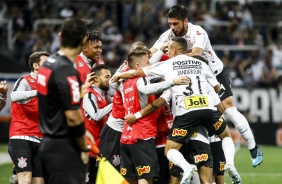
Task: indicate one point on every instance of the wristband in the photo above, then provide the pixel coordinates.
(77, 130)
(138, 115)
(86, 150)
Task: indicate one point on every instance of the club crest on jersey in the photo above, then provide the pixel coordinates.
(116, 160)
(80, 64)
(143, 170)
(123, 171)
(179, 132)
(22, 162)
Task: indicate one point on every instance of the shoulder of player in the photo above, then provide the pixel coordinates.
(194, 28)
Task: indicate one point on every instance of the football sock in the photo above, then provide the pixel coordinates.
(228, 149)
(177, 158)
(242, 126)
(254, 152)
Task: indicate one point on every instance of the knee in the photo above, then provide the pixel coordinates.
(225, 133)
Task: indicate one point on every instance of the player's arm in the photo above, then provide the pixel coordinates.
(22, 91)
(145, 87)
(90, 106)
(196, 51)
(3, 94)
(152, 107)
(128, 75)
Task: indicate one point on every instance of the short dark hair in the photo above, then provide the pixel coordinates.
(178, 12)
(181, 43)
(201, 59)
(73, 31)
(137, 44)
(93, 35)
(35, 58)
(133, 55)
(98, 68)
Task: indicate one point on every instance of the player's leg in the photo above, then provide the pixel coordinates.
(110, 145)
(21, 155)
(37, 173)
(239, 121)
(145, 160)
(218, 160)
(219, 128)
(163, 167)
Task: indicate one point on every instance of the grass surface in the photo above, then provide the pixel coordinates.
(269, 172)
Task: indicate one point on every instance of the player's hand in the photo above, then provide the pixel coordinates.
(3, 87)
(130, 118)
(164, 47)
(181, 80)
(89, 80)
(115, 78)
(91, 143)
(84, 157)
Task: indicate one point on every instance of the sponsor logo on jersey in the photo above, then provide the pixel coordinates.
(143, 170)
(201, 158)
(116, 160)
(196, 102)
(187, 62)
(221, 166)
(22, 162)
(218, 124)
(179, 132)
(80, 64)
(31, 80)
(123, 171)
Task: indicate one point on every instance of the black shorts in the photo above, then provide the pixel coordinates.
(140, 160)
(61, 161)
(195, 152)
(110, 145)
(225, 86)
(25, 156)
(184, 125)
(163, 165)
(218, 157)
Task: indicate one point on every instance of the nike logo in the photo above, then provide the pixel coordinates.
(221, 94)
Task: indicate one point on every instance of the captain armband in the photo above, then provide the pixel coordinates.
(77, 130)
(138, 115)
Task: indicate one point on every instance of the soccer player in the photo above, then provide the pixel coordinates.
(3, 94)
(191, 102)
(90, 55)
(63, 150)
(199, 44)
(138, 153)
(24, 134)
(96, 105)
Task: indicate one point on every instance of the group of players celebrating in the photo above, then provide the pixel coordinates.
(159, 119)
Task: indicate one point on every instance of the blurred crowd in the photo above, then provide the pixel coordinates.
(121, 22)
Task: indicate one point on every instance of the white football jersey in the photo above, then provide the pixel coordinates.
(196, 36)
(186, 97)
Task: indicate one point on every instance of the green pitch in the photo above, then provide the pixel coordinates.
(270, 171)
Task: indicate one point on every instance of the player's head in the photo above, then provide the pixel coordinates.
(36, 59)
(138, 58)
(177, 20)
(201, 59)
(92, 49)
(102, 76)
(177, 46)
(72, 34)
(137, 44)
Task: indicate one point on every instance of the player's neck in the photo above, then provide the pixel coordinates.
(69, 52)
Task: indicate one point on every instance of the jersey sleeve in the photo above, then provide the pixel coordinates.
(200, 39)
(162, 39)
(155, 70)
(167, 95)
(210, 75)
(68, 85)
